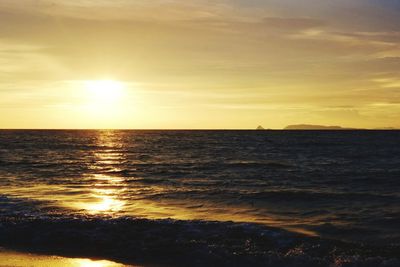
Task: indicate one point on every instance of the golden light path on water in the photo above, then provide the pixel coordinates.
(106, 190)
(106, 199)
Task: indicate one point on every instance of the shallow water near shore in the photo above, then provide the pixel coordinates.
(330, 185)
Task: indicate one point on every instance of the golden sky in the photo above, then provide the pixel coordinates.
(199, 63)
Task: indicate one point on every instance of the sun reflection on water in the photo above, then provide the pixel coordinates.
(106, 203)
(105, 190)
(106, 195)
(91, 263)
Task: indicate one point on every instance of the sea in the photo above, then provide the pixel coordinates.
(203, 198)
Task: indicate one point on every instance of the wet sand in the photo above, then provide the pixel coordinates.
(19, 259)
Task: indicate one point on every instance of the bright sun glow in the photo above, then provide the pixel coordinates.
(104, 91)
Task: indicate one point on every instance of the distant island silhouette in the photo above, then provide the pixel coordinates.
(324, 127)
(315, 127)
(386, 128)
(260, 128)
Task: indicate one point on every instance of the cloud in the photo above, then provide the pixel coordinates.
(388, 82)
(119, 10)
(293, 23)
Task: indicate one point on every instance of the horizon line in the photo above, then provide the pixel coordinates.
(193, 129)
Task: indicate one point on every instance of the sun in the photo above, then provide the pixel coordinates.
(104, 101)
(104, 91)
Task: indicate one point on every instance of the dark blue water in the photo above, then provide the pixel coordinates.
(338, 185)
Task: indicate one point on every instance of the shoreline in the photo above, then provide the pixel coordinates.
(182, 243)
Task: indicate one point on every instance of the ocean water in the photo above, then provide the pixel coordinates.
(306, 187)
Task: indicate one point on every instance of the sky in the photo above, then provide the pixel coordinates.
(195, 64)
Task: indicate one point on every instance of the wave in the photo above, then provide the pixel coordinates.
(310, 195)
(170, 242)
